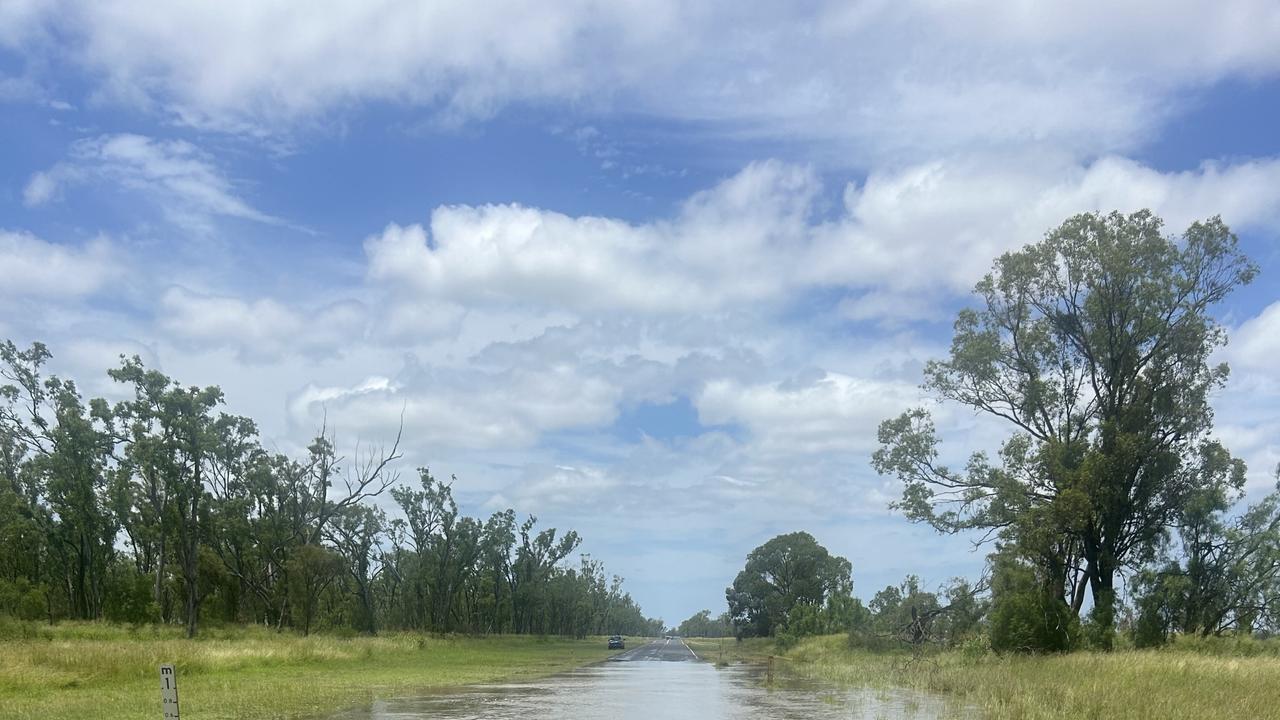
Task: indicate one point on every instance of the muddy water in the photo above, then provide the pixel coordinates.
(661, 691)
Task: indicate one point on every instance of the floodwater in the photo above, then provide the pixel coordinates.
(656, 690)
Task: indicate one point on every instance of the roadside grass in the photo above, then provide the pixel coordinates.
(89, 670)
(730, 651)
(1199, 680)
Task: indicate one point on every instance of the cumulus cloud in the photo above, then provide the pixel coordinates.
(884, 78)
(32, 267)
(1255, 345)
(520, 345)
(443, 408)
(720, 248)
(260, 329)
(566, 486)
(174, 175)
(937, 226)
(904, 239)
(823, 413)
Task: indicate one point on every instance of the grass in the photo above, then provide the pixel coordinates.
(101, 671)
(111, 672)
(728, 651)
(1176, 682)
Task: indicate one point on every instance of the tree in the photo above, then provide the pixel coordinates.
(172, 436)
(536, 559)
(496, 547)
(1223, 575)
(701, 624)
(311, 569)
(161, 507)
(1025, 616)
(355, 534)
(786, 572)
(1093, 345)
(57, 461)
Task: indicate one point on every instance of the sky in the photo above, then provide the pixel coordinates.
(654, 271)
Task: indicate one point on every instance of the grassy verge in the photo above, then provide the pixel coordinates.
(83, 671)
(1124, 685)
(728, 651)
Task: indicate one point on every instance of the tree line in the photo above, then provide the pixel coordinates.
(792, 587)
(1110, 506)
(163, 508)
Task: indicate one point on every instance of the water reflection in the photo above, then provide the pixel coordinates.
(658, 691)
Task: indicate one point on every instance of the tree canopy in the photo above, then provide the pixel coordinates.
(785, 574)
(1094, 347)
(164, 508)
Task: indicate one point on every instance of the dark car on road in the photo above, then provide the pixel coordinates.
(617, 643)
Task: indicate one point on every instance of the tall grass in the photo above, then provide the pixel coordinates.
(88, 670)
(1192, 679)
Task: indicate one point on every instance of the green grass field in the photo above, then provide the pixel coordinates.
(1205, 683)
(100, 671)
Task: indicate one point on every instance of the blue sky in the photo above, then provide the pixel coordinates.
(651, 271)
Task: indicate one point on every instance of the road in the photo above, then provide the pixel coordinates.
(659, 681)
(661, 650)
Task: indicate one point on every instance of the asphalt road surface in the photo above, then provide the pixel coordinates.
(662, 650)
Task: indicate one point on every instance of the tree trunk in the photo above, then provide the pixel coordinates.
(1104, 604)
(193, 608)
(159, 592)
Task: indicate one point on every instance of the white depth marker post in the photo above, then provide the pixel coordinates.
(169, 692)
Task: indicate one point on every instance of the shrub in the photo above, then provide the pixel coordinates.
(12, 628)
(22, 600)
(127, 595)
(1025, 618)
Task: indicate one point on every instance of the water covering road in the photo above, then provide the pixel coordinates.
(658, 681)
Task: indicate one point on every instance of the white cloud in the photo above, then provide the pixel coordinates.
(908, 78)
(824, 413)
(463, 409)
(40, 189)
(565, 486)
(511, 339)
(261, 329)
(904, 240)
(1245, 413)
(1255, 345)
(32, 267)
(935, 228)
(721, 248)
(174, 175)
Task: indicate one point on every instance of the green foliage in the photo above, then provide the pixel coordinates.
(701, 624)
(781, 577)
(127, 595)
(1223, 576)
(908, 616)
(1025, 617)
(1094, 347)
(12, 628)
(163, 509)
(22, 599)
(311, 569)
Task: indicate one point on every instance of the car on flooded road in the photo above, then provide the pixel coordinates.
(617, 643)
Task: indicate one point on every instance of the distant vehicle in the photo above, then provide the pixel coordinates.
(617, 643)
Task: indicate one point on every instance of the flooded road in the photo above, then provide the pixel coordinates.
(660, 683)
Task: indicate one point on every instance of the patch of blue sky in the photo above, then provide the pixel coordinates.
(1231, 120)
(674, 420)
